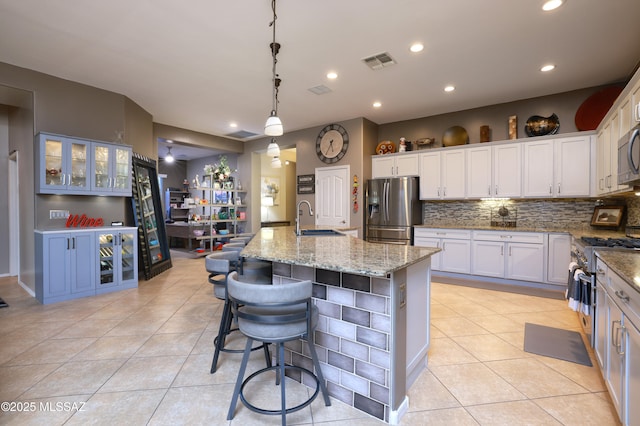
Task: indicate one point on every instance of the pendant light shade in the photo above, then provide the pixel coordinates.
(273, 150)
(276, 163)
(273, 126)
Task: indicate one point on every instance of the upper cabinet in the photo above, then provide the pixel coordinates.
(111, 169)
(63, 165)
(558, 168)
(68, 165)
(394, 165)
(442, 175)
(494, 171)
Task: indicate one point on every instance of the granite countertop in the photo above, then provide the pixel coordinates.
(337, 253)
(625, 263)
(576, 232)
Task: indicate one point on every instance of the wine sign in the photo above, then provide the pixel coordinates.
(77, 221)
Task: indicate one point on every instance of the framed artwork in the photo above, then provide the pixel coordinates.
(306, 188)
(306, 179)
(607, 216)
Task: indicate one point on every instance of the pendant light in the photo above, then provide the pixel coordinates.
(169, 157)
(276, 163)
(273, 126)
(273, 150)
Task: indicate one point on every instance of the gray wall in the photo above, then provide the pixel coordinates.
(67, 108)
(564, 105)
(4, 197)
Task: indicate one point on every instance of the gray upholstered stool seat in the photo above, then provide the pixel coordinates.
(275, 314)
(219, 264)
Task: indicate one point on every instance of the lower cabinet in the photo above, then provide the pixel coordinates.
(617, 345)
(455, 244)
(558, 257)
(511, 255)
(72, 264)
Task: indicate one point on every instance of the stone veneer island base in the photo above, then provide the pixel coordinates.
(373, 333)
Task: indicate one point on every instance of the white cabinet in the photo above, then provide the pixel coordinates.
(557, 167)
(442, 175)
(494, 171)
(617, 345)
(455, 244)
(394, 165)
(111, 169)
(66, 165)
(558, 258)
(78, 263)
(511, 255)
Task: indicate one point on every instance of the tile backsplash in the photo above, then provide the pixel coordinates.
(539, 213)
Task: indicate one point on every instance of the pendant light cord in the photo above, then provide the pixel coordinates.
(275, 48)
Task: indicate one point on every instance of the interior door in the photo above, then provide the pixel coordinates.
(332, 198)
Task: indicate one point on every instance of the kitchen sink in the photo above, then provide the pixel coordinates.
(320, 232)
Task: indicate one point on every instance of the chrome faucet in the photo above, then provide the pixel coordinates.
(299, 212)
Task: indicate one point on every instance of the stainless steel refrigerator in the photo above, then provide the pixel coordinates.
(393, 208)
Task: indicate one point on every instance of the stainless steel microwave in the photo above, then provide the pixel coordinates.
(629, 153)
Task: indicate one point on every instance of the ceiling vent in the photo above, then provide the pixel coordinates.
(241, 134)
(320, 90)
(379, 61)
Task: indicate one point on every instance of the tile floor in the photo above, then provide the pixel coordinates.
(142, 356)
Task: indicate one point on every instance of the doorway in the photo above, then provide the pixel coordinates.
(14, 216)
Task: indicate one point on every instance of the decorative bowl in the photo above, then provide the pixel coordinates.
(198, 232)
(223, 231)
(541, 126)
(455, 135)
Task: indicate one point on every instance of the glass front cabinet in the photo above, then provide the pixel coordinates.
(117, 253)
(64, 164)
(68, 165)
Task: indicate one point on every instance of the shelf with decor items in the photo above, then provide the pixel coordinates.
(223, 209)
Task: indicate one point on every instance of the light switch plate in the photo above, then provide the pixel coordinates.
(58, 214)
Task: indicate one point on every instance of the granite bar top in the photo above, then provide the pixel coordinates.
(337, 253)
(625, 263)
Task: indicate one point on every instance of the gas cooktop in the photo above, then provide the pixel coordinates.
(632, 243)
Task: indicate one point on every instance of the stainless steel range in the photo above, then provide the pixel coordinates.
(583, 253)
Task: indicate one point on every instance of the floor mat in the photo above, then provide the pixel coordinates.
(555, 343)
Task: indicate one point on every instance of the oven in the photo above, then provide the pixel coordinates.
(584, 297)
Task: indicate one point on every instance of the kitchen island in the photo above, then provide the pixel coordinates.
(373, 333)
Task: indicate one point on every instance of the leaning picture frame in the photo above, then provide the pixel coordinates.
(609, 216)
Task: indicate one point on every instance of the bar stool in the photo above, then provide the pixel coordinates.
(275, 314)
(253, 270)
(219, 265)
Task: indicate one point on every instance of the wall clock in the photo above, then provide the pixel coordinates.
(332, 143)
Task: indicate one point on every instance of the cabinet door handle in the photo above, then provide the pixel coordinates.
(489, 189)
(73, 243)
(64, 178)
(496, 189)
(443, 246)
(68, 243)
(559, 189)
(601, 184)
(550, 189)
(444, 191)
(622, 296)
(509, 250)
(502, 251)
(623, 340)
(614, 334)
(438, 191)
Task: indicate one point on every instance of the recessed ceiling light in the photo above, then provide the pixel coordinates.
(232, 124)
(332, 75)
(551, 5)
(416, 47)
(169, 141)
(377, 104)
(547, 68)
(449, 89)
